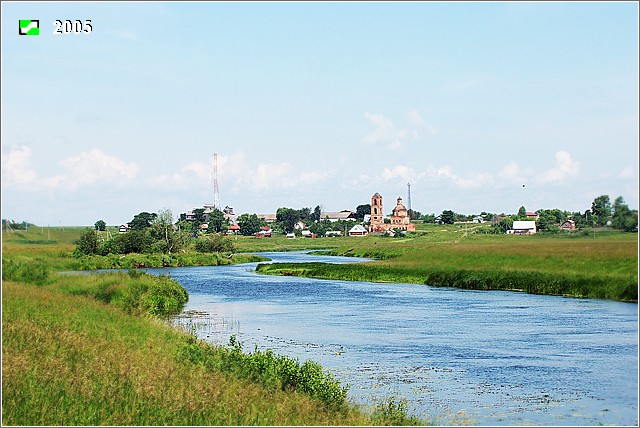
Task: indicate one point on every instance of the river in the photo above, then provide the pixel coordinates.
(457, 356)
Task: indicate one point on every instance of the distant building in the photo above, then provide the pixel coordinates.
(358, 230)
(522, 228)
(568, 225)
(340, 215)
(399, 217)
(533, 216)
(269, 218)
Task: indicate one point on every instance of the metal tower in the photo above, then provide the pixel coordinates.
(216, 191)
(409, 199)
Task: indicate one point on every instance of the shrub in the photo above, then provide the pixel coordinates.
(214, 244)
(271, 370)
(33, 272)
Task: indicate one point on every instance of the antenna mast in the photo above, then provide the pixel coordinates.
(409, 199)
(216, 191)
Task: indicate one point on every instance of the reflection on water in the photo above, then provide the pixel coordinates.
(465, 357)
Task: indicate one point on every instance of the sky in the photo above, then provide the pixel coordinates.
(480, 106)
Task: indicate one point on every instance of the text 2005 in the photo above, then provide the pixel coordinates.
(68, 26)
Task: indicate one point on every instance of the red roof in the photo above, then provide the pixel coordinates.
(234, 227)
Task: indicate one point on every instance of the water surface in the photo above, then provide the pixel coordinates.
(461, 356)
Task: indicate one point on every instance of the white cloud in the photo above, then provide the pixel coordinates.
(415, 119)
(627, 173)
(385, 132)
(564, 168)
(474, 181)
(399, 171)
(95, 166)
(16, 167)
(83, 170)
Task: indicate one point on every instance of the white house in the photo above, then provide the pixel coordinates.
(522, 228)
(358, 230)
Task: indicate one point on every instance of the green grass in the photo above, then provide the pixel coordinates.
(90, 350)
(603, 264)
(73, 354)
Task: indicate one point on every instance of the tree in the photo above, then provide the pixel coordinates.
(217, 222)
(287, 217)
(101, 225)
(215, 244)
(249, 224)
(601, 208)
(362, 210)
(162, 232)
(199, 216)
(321, 227)
(317, 212)
(522, 212)
(503, 225)
(623, 218)
(448, 217)
(142, 221)
(429, 218)
(87, 243)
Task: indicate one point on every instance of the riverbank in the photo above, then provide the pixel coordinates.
(579, 266)
(90, 350)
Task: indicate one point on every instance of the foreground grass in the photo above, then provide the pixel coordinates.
(71, 358)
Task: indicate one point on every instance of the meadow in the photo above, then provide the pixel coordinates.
(600, 264)
(95, 350)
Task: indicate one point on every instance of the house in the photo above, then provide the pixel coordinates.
(478, 219)
(291, 235)
(124, 228)
(233, 229)
(306, 233)
(358, 230)
(568, 225)
(269, 218)
(330, 233)
(299, 226)
(532, 215)
(340, 215)
(522, 228)
(265, 232)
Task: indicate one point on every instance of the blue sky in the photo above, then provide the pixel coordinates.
(318, 103)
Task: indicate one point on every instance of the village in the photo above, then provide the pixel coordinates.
(369, 219)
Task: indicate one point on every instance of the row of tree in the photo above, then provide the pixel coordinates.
(602, 213)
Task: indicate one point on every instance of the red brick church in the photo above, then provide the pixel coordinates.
(399, 217)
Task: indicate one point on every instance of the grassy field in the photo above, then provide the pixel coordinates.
(92, 350)
(69, 359)
(601, 264)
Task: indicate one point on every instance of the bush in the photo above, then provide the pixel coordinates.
(33, 272)
(214, 244)
(87, 244)
(271, 370)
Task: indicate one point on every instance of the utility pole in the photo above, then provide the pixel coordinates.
(216, 191)
(409, 200)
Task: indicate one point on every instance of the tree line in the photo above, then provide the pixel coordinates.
(616, 215)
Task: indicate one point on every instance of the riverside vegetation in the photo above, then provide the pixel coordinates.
(92, 350)
(595, 264)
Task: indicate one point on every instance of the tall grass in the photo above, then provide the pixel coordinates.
(73, 354)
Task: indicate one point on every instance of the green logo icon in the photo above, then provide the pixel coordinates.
(29, 27)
